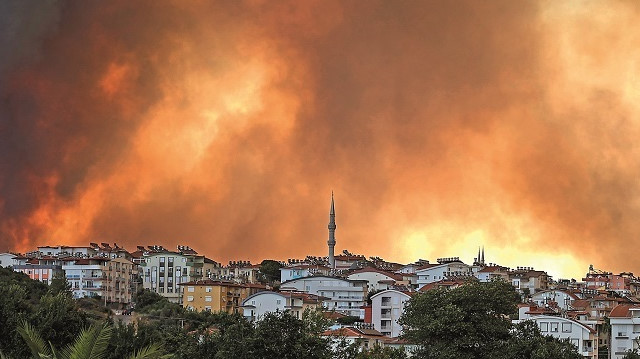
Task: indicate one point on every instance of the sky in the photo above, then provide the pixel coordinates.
(441, 126)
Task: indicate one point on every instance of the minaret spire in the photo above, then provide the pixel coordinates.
(482, 255)
(332, 234)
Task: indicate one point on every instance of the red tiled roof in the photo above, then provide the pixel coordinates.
(376, 270)
(622, 310)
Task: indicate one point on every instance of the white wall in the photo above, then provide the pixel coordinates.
(563, 299)
(344, 296)
(436, 273)
(624, 334)
(373, 278)
(257, 305)
(392, 302)
(562, 328)
(6, 259)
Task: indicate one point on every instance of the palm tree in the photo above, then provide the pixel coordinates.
(90, 344)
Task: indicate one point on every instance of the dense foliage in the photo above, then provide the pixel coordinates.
(473, 322)
(270, 271)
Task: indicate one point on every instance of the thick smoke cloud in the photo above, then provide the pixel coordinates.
(441, 126)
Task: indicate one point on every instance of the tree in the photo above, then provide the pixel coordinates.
(270, 270)
(469, 322)
(527, 342)
(472, 321)
(91, 343)
(59, 284)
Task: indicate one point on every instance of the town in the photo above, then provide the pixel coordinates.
(598, 314)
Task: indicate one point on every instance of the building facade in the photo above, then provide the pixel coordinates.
(261, 303)
(344, 296)
(216, 296)
(386, 308)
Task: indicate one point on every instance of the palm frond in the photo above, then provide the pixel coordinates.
(34, 341)
(153, 351)
(91, 343)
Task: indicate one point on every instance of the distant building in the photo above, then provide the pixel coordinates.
(110, 279)
(343, 295)
(302, 270)
(261, 303)
(556, 297)
(7, 259)
(528, 279)
(376, 279)
(446, 267)
(43, 268)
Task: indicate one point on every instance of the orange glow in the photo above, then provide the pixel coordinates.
(440, 126)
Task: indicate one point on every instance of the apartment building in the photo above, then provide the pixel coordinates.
(110, 279)
(386, 308)
(261, 303)
(528, 279)
(446, 268)
(582, 336)
(625, 329)
(7, 259)
(344, 296)
(377, 279)
(43, 268)
(216, 296)
(162, 270)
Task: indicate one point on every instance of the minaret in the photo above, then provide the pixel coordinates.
(482, 261)
(332, 234)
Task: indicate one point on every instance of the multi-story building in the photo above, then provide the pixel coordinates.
(110, 279)
(492, 272)
(7, 259)
(261, 303)
(302, 270)
(43, 268)
(625, 329)
(555, 297)
(163, 270)
(345, 296)
(582, 336)
(446, 267)
(376, 279)
(63, 251)
(528, 279)
(386, 308)
(240, 272)
(216, 296)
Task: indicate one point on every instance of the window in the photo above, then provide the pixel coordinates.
(170, 264)
(566, 327)
(207, 308)
(544, 327)
(207, 298)
(278, 302)
(191, 289)
(161, 261)
(208, 289)
(554, 327)
(190, 298)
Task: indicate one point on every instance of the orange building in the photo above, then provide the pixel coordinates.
(216, 296)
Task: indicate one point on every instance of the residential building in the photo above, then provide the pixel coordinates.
(583, 337)
(62, 251)
(446, 267)
(163, 270)
(625, 329)
(110, 279)
(555, 297)
(376, 279)
(302, 270)
(346, 296)
(365, 337)
(44, 268)
(492, 272)
(261, 303)
(386, 308)
(7, 259)
(526, 279)
(216, 296)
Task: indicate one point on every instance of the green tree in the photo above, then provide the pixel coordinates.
(631, 354)
(270, 270)
(469, 322)
(91, 343)
(59, 284)
(527, 342)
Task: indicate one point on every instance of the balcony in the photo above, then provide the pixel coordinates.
(386, 302)
(622, 335)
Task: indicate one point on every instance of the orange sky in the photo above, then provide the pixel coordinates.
(440, 125)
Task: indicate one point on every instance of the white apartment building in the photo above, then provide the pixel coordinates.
(345, 296)
(57, 251)
(561, 298)
(43, 268)
(111, 279)
(7, 259)
(302, 270)
(386, 308)
(446, 267)
(261, 303)
(580, 335)
(376, 279)
(163, 270)
(625, 329)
